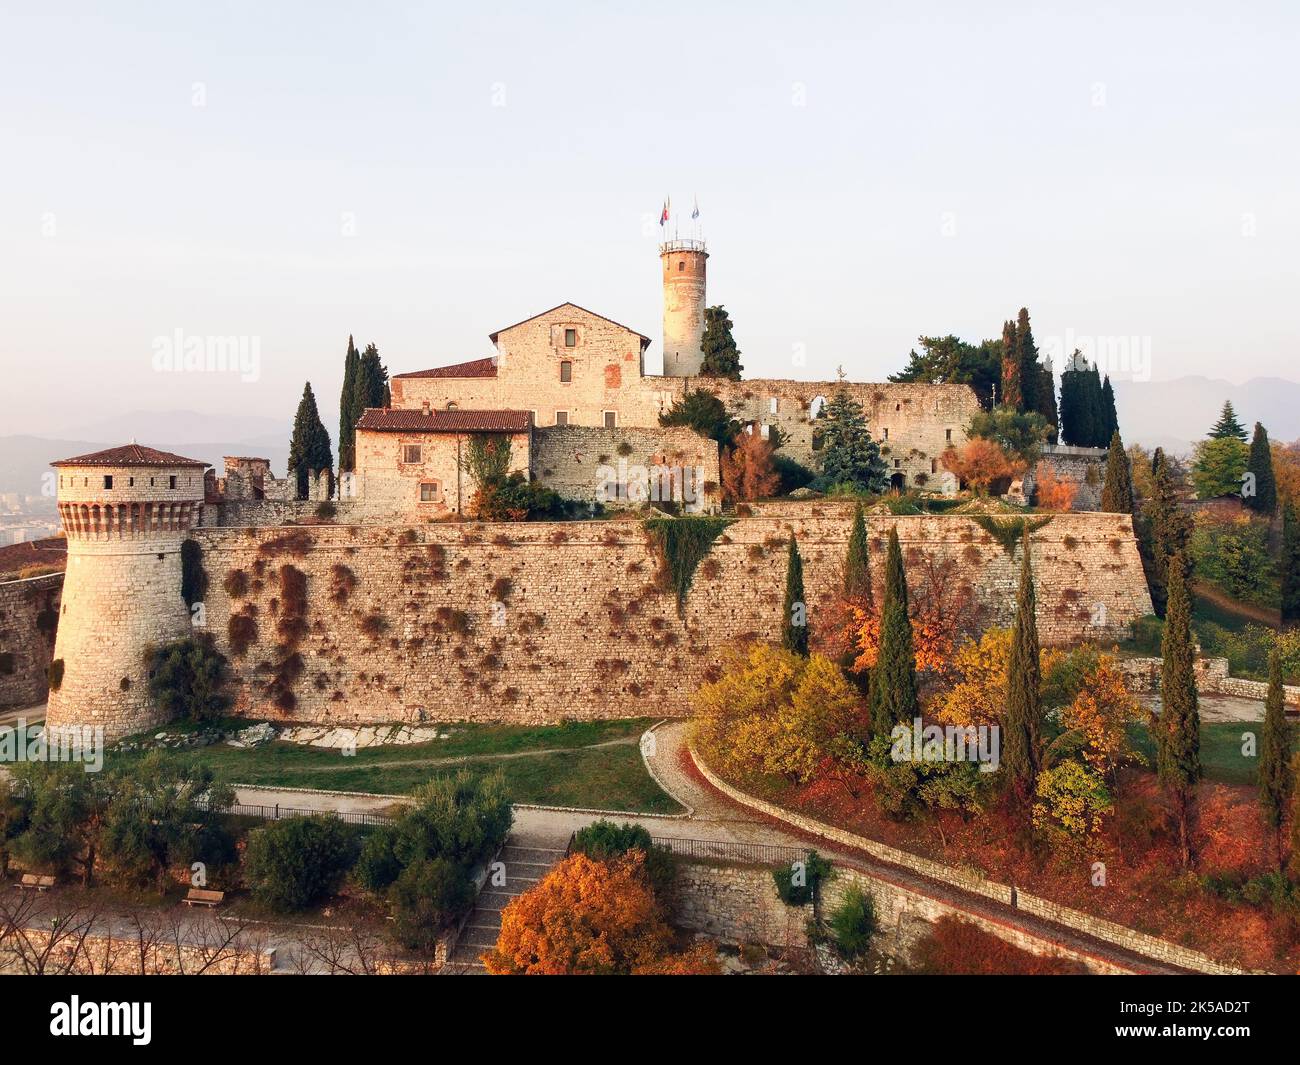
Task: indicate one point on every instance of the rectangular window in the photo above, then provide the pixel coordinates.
(429, 492)
(566, 372)
(410, 452)
(570, 338)
(108, 480)
(171, 481)
(561, 417)
(947, 435)
(611, 419)
(886, 436)
(772, 405)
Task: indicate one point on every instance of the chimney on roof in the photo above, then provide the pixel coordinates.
(425, 409)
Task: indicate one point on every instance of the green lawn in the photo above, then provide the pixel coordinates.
(574, 774)
(1221, 743)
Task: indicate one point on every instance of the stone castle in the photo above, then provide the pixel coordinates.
(381, 605)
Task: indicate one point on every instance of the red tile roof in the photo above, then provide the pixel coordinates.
(645, 340)
(476, 368)
(130, 455)
(445, 421)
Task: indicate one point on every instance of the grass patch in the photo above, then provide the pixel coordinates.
(1221, 755)
(607, 778)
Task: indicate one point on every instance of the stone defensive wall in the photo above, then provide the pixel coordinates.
(29, 618)
(538, 622)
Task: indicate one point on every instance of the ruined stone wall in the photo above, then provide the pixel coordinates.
(538, 622)
(1085, 466)
(29, 617)
(567, 459)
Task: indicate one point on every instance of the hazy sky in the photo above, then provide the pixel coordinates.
(422, 174)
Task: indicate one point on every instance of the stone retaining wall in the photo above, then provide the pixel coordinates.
(1211, 679)
(975, 882)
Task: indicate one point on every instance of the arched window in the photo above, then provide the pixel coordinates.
(816, 407)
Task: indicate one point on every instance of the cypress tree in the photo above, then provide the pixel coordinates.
(1109, 415)
(794, 623)
(1275, 754)
(1170, 530)
(347, 416)
(1027, 360)
(721, 356)
(1117, 492)
(1022, 744)
(1290, 565)
(1178, 729)
(371, 385)
(1227, 425)
(1260, 464)
(894, 699)
(1012, 396)
(309, 446)
(857, 566)
(1046, 393)
(1069, 411)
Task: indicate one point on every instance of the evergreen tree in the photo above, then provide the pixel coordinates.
(1290, 565)
(1117, 492)
(347, 415)
(794, 624)
(309, 446)
(849, 455)
(1027, 360)
(1169, 530)
(1047, 401)
(1260, 464)
(704, 412)
(1178, 729)
(1275, 754)
(1109, 415)
(721, 356)
(857, 567)
(1012, 395)
(1227, 425)
(894, 699)
(371, 386)
(1082, 420)
(1022, 743)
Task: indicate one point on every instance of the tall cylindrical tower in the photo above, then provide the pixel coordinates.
(684, 269)
(125, 512)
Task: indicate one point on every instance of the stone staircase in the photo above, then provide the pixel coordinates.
(525, 865)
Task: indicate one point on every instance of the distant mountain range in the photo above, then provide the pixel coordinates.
(1169, 414)
(1175, 414)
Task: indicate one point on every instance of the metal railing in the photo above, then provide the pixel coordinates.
(682, 245)
(731, 851)
(276, 812)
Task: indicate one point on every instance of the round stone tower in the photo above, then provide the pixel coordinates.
(125, 512)
(684, 269)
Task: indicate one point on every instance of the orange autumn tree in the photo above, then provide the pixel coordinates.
(588, 917)
(1054, 492)
(1100, 715)
(749, 468)
(981, 464)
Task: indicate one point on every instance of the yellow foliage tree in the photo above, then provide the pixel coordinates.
(978, 695)
(1101, 713)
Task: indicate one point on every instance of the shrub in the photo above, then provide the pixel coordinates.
(604, 840)
(515, 498)
(241, 631)
(799, 883)
(296, 862)
(377, 866)
(326, 511)
(427, 898)
(680, 544)
(236, 583)
(852, 924)
(187, 678)
(55, 674)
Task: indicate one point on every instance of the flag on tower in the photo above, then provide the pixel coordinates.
(663, 218)
(696, 213)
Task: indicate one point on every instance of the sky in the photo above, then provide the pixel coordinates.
(420, 175)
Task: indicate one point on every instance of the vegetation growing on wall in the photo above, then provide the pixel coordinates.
(194, 578)
(55, 674)
(1009, 531)
(241, 631)
(187, 678)
(679, 545)
(235, 583)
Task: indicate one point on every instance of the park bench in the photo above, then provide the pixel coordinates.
(31, 881)
(202, 897)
